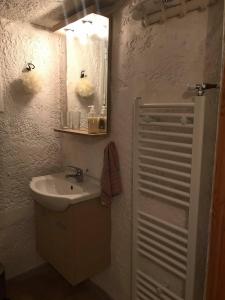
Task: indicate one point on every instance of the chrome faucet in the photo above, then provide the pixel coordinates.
(78, 173)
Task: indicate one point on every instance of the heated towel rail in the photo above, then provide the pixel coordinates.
(167, 162)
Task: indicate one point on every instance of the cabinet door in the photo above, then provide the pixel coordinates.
(52, 239)
(76, 241)
(91, 225)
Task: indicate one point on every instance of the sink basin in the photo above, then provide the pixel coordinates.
(56, 192)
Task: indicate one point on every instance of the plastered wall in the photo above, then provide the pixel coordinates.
(156, 63)
(28, 145)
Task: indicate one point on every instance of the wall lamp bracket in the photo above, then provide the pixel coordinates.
(30, 67)
(82, 74)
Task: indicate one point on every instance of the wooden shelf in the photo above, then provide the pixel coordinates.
(79, 132)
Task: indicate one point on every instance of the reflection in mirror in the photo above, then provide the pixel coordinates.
(87, 73)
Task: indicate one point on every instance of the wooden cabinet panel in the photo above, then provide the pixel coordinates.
(77, 241)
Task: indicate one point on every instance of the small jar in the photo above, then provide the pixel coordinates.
(75, 119)
(65, 120)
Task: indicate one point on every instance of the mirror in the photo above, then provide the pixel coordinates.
(87, 73)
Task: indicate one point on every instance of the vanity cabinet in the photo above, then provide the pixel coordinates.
(76, 242)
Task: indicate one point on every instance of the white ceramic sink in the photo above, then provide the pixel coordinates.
(56, 192)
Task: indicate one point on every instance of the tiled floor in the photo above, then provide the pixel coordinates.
(46, 284)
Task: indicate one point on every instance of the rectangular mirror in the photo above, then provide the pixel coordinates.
(87, 73)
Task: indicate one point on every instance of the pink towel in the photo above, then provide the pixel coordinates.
(111, 181)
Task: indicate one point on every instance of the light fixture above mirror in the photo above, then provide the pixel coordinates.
(87, 27)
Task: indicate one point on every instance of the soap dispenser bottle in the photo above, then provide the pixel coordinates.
(102, 123)
(92, 121)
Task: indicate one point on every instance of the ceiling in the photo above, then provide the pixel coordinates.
(47, 13)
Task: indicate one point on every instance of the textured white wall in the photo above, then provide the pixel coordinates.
(156, 63)
(28, 145)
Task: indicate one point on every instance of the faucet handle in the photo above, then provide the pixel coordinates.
(79, 172)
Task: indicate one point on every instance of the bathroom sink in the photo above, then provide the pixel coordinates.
(56, 192)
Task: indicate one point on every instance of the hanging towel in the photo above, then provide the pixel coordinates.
(111, 181)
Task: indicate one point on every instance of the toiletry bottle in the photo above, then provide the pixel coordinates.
(102, 123)
(92, 120)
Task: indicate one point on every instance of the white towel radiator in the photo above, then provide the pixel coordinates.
(167, 162)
